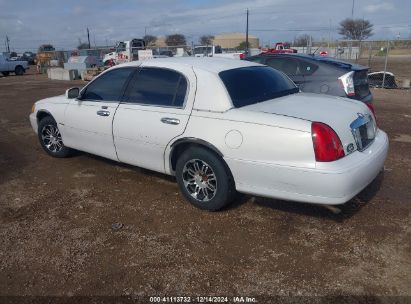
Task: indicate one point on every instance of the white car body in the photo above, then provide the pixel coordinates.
(267, 146)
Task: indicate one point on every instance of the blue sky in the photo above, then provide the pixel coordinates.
(29, 23)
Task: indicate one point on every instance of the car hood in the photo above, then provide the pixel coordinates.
(337, 112)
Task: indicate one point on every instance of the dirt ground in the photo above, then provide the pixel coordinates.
(57, 239)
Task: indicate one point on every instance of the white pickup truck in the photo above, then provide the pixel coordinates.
(215, 51)
(13, 66)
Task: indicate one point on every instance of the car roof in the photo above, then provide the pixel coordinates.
(325, 59)
(214, 65)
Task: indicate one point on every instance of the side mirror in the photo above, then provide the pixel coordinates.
(72, 93)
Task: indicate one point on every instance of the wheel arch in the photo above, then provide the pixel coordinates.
(19, 65)
(182, 144)
(42, 114)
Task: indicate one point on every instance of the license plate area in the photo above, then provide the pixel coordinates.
(363, 130)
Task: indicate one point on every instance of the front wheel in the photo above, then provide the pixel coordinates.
(204, 179)
(50, 138)
(19, 70)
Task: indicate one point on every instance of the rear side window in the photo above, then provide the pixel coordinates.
(156, 86)
(307, 68)
(108, 87)
(251, 85)
(288, 66)
(292, 67)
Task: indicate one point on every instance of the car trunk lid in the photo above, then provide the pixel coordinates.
(337, 112)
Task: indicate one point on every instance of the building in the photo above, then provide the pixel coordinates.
(233, 40)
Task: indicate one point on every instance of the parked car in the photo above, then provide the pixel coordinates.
(12, 66)
(167, 53)
(322, 75)
(215, 51)
(280, 48)
(29, 57)
(219, 125)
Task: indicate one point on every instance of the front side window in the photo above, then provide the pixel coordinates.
(255, 84)
(157, 86)
(107, 87)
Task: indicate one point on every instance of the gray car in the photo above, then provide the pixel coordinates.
(323, 75)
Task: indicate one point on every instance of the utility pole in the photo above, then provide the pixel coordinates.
(246, 36)
(8, 43)
(88, 38)
(329, 37)
(352, 10)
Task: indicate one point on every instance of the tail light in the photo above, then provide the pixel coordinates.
(347, 83)
(371, 107)
(327, 145)
(241, 56)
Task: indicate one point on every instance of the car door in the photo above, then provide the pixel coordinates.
(89, 118)
(289, 66)
(155, 109)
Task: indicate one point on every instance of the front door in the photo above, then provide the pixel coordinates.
(155, 109)
(88, 124)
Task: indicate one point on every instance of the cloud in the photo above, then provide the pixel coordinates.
(383, 6)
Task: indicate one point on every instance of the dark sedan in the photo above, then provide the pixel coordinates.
(323, 75)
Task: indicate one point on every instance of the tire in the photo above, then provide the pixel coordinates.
(50, 138)
(204, 179)
(19, 70)
(5, 74)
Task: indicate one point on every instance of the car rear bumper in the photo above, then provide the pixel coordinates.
(329, 183)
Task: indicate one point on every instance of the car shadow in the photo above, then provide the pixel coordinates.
(347, 210)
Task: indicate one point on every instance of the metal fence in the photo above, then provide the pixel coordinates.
(389, 61)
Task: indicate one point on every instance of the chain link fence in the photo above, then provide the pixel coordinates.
(389, 61)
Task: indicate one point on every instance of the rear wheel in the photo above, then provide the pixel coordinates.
(50, 138)
(204, 179)
(19, 70)
(5, 74)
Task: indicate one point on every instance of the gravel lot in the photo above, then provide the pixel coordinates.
(56, 217)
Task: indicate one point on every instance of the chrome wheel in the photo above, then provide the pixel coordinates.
(51, 138)
(199, 180)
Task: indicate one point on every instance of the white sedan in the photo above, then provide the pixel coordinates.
(219, 126)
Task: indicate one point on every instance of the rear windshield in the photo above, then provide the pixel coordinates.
(251, 85)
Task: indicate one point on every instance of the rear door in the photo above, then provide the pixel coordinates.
(88, 119)
(155, 109)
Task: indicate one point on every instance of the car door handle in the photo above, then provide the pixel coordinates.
(103, 113)
(170, 121)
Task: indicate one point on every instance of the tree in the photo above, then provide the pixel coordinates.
(303, 40)
(82, 46)
(150, 40)
(355, 29)
(206, 39)
(176, 40)
(242, 46)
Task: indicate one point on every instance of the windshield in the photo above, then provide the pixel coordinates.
(255, 84)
